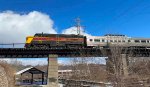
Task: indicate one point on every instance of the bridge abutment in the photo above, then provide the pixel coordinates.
(52, 80)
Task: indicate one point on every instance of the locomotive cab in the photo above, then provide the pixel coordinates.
(28, 41)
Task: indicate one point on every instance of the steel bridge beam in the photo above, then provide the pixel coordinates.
(43, 53)
(74, 52)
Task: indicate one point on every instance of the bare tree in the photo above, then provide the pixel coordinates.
(88, 69)
(138, 68)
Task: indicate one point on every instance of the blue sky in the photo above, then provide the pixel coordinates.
(99, 17)
(130, 17)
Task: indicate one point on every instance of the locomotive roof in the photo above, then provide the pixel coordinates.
(46, 34)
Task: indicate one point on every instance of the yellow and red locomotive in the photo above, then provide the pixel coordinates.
(41, 40)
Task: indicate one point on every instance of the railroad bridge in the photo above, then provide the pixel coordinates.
(53, 53)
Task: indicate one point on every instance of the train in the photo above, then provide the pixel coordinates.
(42, 40)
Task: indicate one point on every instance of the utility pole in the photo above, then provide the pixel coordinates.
(78, 25)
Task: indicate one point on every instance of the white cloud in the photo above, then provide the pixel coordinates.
(89, 60)
(27, 61)
(73, 30)
(6, 59)
(40, 61)
(15, 27)
(63, 61)
(34, 61)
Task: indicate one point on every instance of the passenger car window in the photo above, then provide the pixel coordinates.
(103, 40)
(136, 41)
(96, 40)
(91, 40)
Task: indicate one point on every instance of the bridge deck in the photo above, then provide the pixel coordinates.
(42, 53)
(83, 52)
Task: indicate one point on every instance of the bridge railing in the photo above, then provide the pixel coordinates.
(12, 45)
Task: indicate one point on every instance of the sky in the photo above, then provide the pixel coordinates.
(20, 18)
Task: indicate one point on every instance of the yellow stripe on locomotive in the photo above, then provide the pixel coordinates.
(29, 39)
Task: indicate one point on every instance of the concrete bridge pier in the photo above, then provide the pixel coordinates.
(125, 64)
(109, 65)
(52, 80)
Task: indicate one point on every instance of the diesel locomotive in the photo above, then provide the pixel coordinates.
(42, 40)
